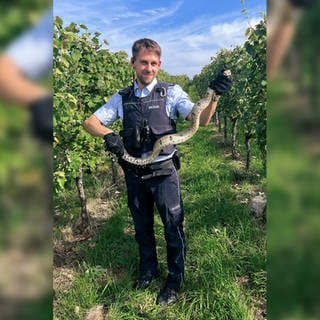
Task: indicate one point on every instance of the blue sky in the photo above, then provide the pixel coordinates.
(188, 31)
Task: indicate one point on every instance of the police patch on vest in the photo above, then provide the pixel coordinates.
(154, 107)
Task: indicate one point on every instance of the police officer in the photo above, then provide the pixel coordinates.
(149, 110)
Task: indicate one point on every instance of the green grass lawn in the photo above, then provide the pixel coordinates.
(225, 275)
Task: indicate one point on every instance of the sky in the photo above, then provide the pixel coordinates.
(189, 32)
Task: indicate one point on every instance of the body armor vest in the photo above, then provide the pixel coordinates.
(145, 120)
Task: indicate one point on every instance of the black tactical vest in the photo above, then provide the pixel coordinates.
(145, 120)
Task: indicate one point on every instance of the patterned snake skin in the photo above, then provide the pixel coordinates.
(176, 138)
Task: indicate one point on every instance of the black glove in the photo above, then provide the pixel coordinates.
(41, 118)
(114, 144)
(222, 83)
(302, 3)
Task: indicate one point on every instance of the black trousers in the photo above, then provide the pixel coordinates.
(164, 192)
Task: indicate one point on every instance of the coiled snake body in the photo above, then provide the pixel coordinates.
(176, 138)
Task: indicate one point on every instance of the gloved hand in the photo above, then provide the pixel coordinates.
(114, 144)
(41, 118)
(301, 3)
(222, 83)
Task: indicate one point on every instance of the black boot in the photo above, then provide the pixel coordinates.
(167, 295)
(144, 281)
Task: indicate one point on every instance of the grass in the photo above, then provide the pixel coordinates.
(226, 252)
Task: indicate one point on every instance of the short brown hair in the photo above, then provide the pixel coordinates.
(145, 43)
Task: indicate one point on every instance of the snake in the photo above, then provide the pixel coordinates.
(179, 137)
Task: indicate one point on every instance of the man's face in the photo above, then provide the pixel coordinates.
(146, 64)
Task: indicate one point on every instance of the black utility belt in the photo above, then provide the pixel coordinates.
(161, 168)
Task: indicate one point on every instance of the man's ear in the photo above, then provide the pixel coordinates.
(132, 60)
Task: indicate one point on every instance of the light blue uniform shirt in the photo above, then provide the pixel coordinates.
(32, 51)
(178, 103)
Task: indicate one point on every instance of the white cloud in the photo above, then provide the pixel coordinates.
(232, 32)
(188, 52)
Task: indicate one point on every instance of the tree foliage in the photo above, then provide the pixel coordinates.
(245, 103)
(181, 80)
(86, 74)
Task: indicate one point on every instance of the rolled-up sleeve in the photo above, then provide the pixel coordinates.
(111, 111)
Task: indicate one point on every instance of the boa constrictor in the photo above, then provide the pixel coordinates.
(176, 138)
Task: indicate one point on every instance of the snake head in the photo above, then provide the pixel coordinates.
(227, 72)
